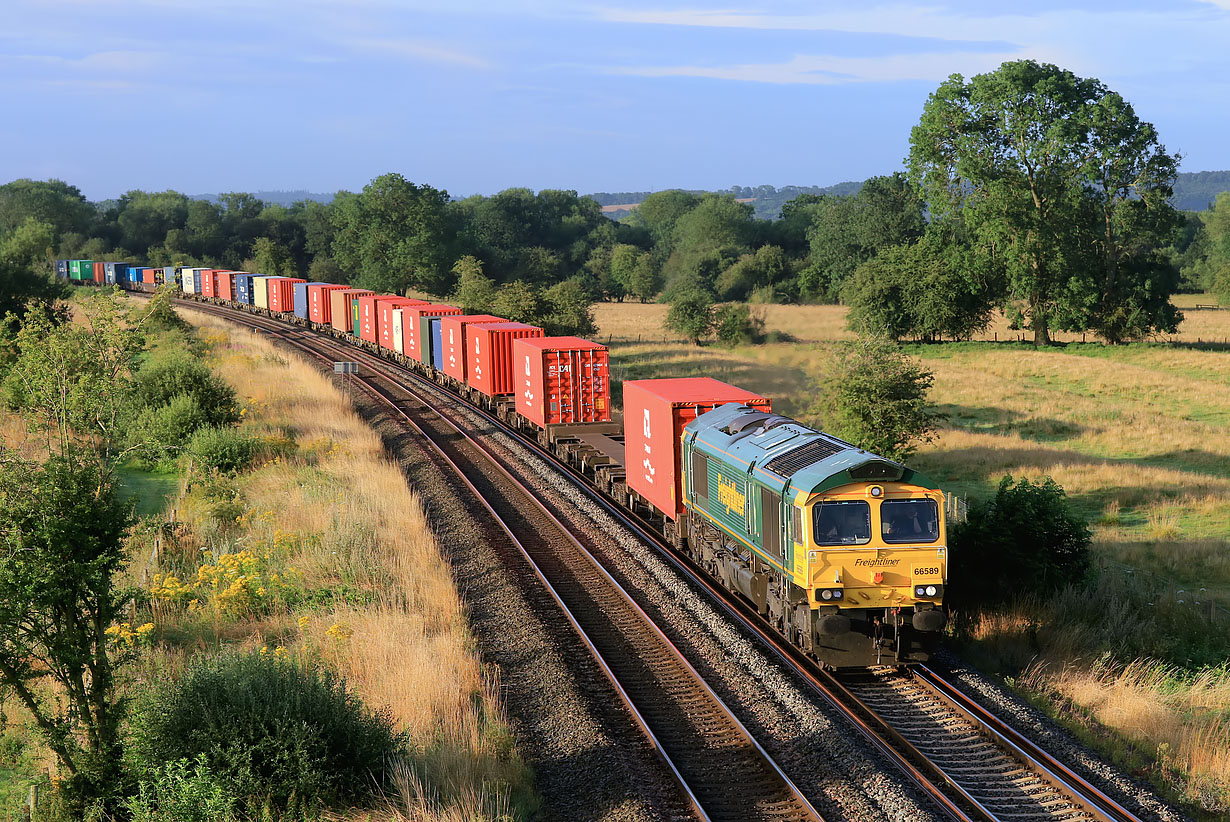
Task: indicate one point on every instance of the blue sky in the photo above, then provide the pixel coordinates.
(626, 95)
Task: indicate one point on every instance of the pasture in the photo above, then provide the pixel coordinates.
(1139, 437)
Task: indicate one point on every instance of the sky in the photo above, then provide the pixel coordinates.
(474, 96)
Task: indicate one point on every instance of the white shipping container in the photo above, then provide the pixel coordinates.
(398, 340)
(260, 292)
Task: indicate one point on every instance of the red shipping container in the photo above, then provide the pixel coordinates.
(367, 316)
(225, 285)
(655, 412)
(100, 273)
(561, 380)
(147, 275)
(282, 294)
(339, 307)
(452, 343)
(489, 350)
(208, 277)
(410, 317)
(384, 317)
(319, 305)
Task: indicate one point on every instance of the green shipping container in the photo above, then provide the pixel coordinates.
(354, 318)
(81, 269)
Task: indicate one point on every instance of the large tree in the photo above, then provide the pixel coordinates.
(394, 236)
(1060, 184)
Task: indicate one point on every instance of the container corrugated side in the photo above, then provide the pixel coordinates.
(301, 303)
(260, 291)
(433, 333)
(655, 413)
(489, 351)
(416, 335)
(384, 318)
(282, 294)
(562, 380)
(320, 306)
(452, 339)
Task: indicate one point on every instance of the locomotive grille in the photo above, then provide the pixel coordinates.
(809, 454)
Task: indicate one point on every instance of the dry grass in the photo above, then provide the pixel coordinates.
(1180, 717)
(1137, 435)
(356, 539)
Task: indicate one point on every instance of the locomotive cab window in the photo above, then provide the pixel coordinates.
(909, 520)
(842, 523)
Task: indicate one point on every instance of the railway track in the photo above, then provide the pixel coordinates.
(699, 738)
(971, 764)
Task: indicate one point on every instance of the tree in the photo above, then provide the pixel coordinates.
(475, 292)
(393, 236)
(930, 289)
(645, 281)
(569, 310)
(660, 212)
(736, 324)
(519, 302)
(22, 287)
(271, 258)
(53, 202)
(62, 527)
(1058, 182)
(1025, 540)
(691, 315)
(872, 394)
(848, 231)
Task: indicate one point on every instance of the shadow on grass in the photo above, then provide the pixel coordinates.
(1003, 421)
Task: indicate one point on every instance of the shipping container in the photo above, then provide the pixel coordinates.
(147, 275)
(365, 325)
(561, 380)
(453, 342)
(81, 270)
(414, 328)
(98, 273)
(115, 273)
(226, 285)
(282, 293)
(185, 280)
(209, 282)
(384, 317)
(243, 288)
(260, 290)
(655, 412)
(62, 269)
(432, 332)
(341, 307)
(319, 304)
(165, 275)
(300, 293)
(489, 350)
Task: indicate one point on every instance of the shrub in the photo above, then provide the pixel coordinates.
(692, 316)
(163, 378)
(179, 793)
(1024, 541)
(874, 395)
(274, 732)
(735, 324)
(170, 426)
(222, 449)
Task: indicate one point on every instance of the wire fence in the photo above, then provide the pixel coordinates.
(956, 509)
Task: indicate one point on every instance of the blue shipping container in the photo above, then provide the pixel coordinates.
(196, 282)
(301, 298)
(437, 347)
(243, 288)
(62, 269)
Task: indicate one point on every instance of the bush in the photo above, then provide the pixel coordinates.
(275, 733)
(874, 395)
(165, 377)
(170, 426)
(1025, 541)
(222, 449)
(735, 324)
(179, 793)
(692, 316)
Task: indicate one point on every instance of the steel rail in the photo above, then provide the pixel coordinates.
(873, 728)
(809, 812)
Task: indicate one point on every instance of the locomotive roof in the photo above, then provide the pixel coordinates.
(777, 450)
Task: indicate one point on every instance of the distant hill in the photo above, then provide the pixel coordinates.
(282, 198)
(1193, 191)
(1196, 191)
(766, 200)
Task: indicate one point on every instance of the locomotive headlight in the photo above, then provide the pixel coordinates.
(920, 591)
(826, 594)
(930, 590)
(836, 594)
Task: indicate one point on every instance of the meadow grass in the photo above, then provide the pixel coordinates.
(339, 563)
(1139, 437)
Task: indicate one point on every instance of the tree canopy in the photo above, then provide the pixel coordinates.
(1059, 183)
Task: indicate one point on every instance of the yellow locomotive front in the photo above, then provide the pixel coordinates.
(841, 550)
(875, 566)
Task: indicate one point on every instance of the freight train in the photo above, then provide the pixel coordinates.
(840, 550)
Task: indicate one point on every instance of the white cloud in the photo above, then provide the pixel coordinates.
(830, 70)
(418, 51)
